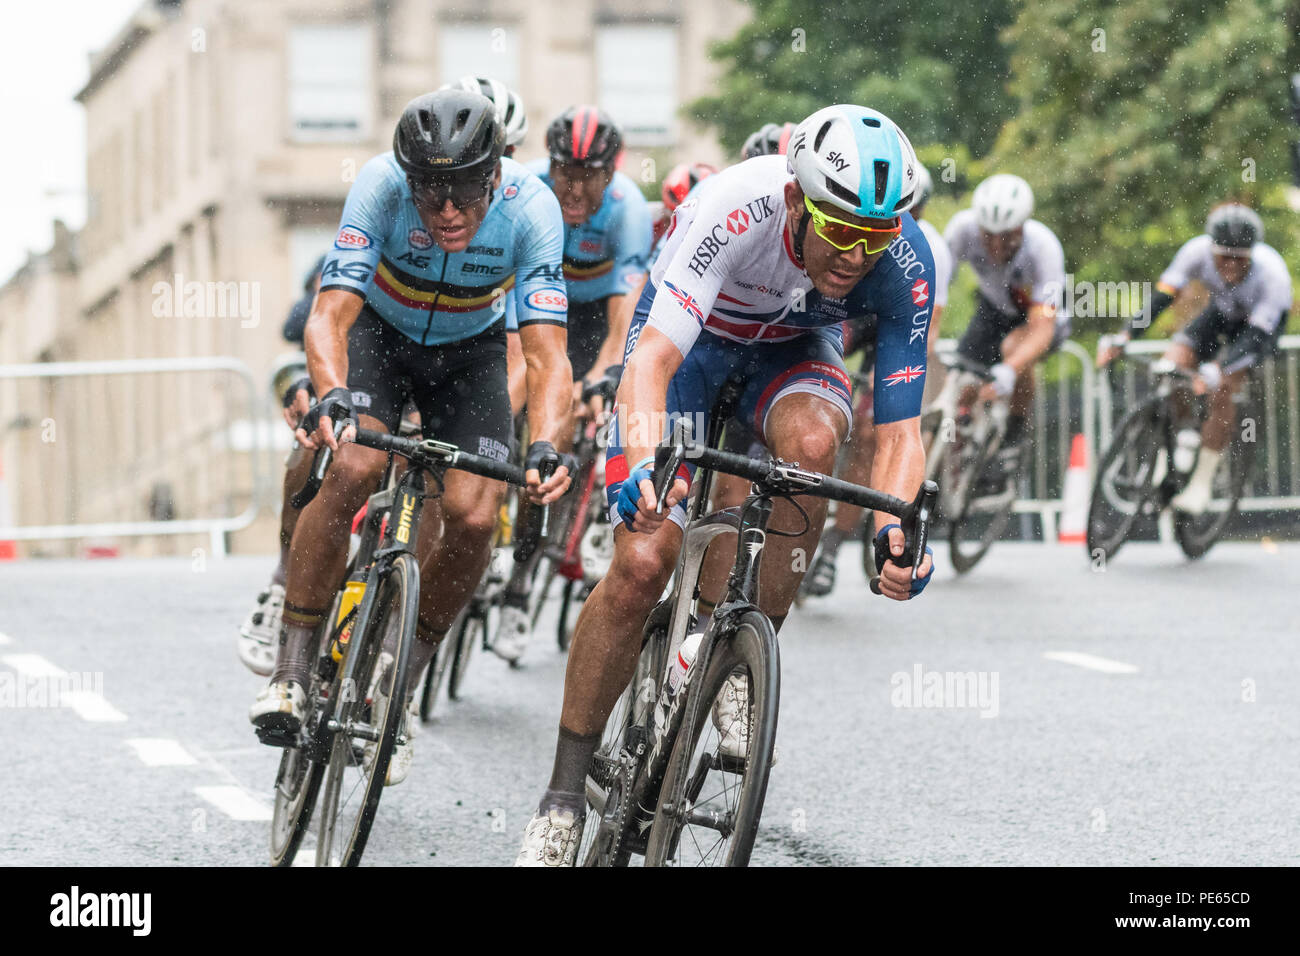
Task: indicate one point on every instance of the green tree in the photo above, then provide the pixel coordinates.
(1134, 118)
(935, 67)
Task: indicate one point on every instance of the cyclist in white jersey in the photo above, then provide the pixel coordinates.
(1019, 316)
(1250, 296)
(860, 335)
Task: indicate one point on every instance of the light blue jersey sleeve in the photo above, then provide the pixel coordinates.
(369, 214)
(539, 292)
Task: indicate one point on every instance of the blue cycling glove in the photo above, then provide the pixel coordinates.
(883, 555)
(629, 492)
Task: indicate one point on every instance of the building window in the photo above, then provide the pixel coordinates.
(330, 70)
(636, 79)
(478, 49)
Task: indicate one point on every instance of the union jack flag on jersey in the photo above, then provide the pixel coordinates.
(907, 373)
(686, 301)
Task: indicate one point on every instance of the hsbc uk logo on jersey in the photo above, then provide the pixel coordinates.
(920, 292)
(737, 223)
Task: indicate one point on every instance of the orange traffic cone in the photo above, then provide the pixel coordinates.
(8, 549)
(1074, 498)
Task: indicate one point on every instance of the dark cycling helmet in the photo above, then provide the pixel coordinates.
(771, 140)
(1234, 226)
(510, 108)
(681, 179)
(448, 131)
(584, 136)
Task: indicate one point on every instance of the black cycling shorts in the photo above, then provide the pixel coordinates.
(982, 340)
(459, 388)
(1211, 331)
(588, 325)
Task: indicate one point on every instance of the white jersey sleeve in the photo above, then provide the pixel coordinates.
(1187, 264)
(1274, 288)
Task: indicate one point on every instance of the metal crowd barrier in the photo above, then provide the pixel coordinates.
(215, 527)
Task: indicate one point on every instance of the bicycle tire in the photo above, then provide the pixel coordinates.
(297, 784)
(750, 648)
(471, 632)
(1197, 534)
(964, 560)
(1137, 435)
(633, 708)
(395, 611)
(436, 673)
(563, 632)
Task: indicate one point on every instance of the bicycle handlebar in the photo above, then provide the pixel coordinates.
(774, 475)
(963, 364)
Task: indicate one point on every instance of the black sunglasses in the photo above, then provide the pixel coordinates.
(434, 193)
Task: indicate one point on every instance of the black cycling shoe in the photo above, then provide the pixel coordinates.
(820, 579)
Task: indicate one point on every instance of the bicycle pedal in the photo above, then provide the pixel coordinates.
(274, 737)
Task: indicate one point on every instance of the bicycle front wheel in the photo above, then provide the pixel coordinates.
(979, 519)
(1127, 478)
(371, 706)
(712, 795)
(1196, 534)
(297, 783)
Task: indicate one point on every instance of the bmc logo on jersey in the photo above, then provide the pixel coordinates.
(510, 192)
(920, 292)
(737, 222)
(419, 238)
(547, 300)
(350, 237)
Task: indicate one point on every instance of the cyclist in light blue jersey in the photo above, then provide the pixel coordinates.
(412, 306)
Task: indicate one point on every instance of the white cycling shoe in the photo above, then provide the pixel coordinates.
(399, 764)
(551, 840)
(259, 633)
(513, 633)
(731, 718)
(279, 708)
(1195, 498)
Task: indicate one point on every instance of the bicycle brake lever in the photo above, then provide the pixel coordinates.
(668, 458)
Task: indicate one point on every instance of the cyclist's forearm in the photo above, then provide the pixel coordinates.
(550, 383)
(1042, 326)
(899, 465)
(325, 339)
(642, 395)
(1137, 326)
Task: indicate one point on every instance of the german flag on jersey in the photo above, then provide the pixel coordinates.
(416, 293)
(577, 270)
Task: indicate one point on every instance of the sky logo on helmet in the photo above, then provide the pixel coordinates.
(836, 159)
(920, 292)
(419, 238)
(350, 237)
(548, 300)
(686, 301)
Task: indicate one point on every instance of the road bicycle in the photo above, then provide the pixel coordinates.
(351, 727)
(660, 784)
(1138, 474)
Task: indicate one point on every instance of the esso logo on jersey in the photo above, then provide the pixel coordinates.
(510, 192)
(737, 222)
(547, 300)
(419, 238)
(920, 292)
(350, 237)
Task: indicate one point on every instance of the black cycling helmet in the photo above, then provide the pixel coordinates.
(449, 131)
(1234, 226)
(584, 136)
(771, 140)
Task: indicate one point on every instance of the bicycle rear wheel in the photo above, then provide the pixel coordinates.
(709, 805)
(1127, 479)
(1196, 534)
(473, 630)
(979, 519)
(368, 728)
(436, 672)
(297, 783)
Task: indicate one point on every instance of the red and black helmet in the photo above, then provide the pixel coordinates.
(681, 179)
(584, 136)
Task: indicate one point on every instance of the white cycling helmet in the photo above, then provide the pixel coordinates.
(924, 187)
(857, 159)
(509, 105)
(1002, 203)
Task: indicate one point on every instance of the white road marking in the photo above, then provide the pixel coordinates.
(1103, 664)
(91, 706)
(5, 639)
(161, 752)
(32, 665)
(234, 802)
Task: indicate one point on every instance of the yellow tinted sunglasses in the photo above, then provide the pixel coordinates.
(845, 235)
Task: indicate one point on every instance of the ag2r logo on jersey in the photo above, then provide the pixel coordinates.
(350, 237)
(548, 300)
